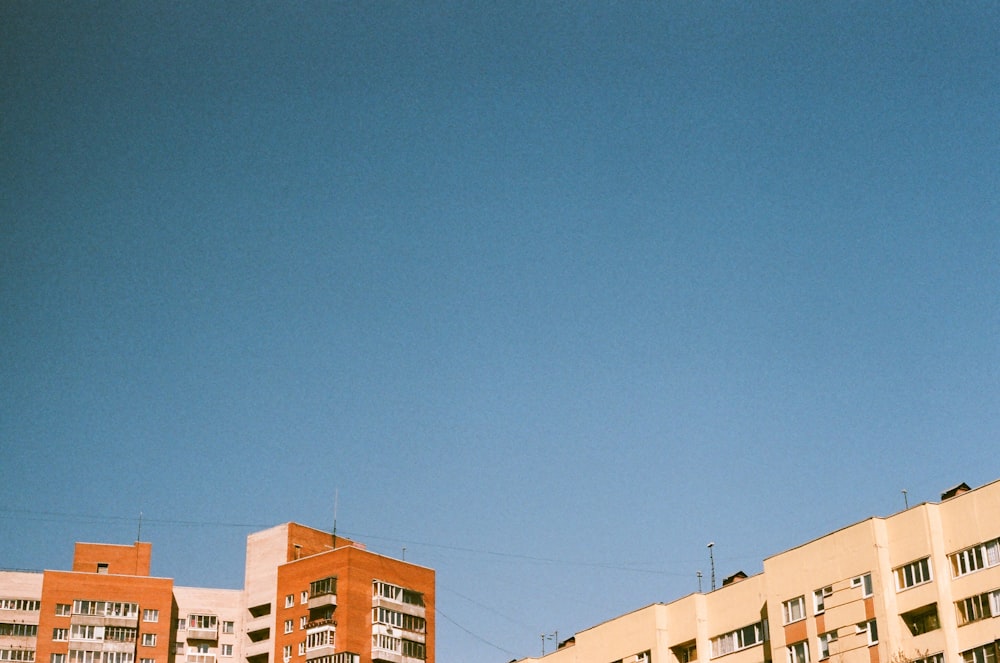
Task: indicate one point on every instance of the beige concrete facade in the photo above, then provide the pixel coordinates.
(922, 585)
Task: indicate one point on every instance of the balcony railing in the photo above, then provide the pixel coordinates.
(325, 621)
(207, 633)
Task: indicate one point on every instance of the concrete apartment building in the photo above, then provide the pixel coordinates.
(308, 597)
(920, 586)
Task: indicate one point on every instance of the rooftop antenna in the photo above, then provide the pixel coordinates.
(711, 560)
(699, 581)
(906, 501)
(404, 553)
(336, 498)
(549, 636)
(138, 534)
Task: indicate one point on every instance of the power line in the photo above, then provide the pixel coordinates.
(477, 637)
(57, 516)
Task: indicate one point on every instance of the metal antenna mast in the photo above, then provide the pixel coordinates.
(711, 560)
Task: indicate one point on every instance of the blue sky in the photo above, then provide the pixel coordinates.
(549, 294)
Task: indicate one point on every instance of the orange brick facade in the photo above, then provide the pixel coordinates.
(308, 598)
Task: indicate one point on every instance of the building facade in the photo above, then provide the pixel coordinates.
(308, 597)
(920, 586)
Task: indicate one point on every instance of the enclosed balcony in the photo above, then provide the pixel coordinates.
(320, 641)
(323, 592)
(202, 627)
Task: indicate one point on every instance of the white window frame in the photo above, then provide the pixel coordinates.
(823, 642)
(148, 639)
(865, 583)
(917, 572)
(289, 626)
(290, 600)
(794, 610)
(819, 599)
(975, 558)
(304, 597)
(870, 628)
(150, 615)
(798, 652)
(226, 650)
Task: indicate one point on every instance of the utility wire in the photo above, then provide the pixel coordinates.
(477, 637)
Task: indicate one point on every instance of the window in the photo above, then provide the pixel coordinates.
(984, 654)
(286, 652)
(63, 609)
(794, 610)
(320, 638)
(86, 632)
(396, 593)
(303, 621)
(19, 629)
(748, 636)
(869, 627)
(102, 567)
(202, 621)
(225, 650)
(323, 586)
(181, 624)
(912, 574)
(819, 599)
(933, 658)
(26, 655)
(150, 615)
(686, 653)
(922, 619)
(865, 582)
(57, 658)
(148, 639)
(304, 597)
(288, 626)
(60, 634)
(119, 634)
(24, 605)
(290, 601)
(302, 648)
(147, 660)
(979, 556)
(418, 651)
(978, 607)
(798, 653)
(228, 627)
(105, 608)
(824, 641)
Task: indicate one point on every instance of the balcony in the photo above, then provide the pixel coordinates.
(322, 600)
(320, 641)
(203, 633)
(324, 621)
(255, 649)
(389, 655)
(200, 658)
(399, 606)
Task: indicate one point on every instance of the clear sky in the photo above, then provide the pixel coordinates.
(551, 294)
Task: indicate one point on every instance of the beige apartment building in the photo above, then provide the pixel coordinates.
(309, 597)
(920, 586)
